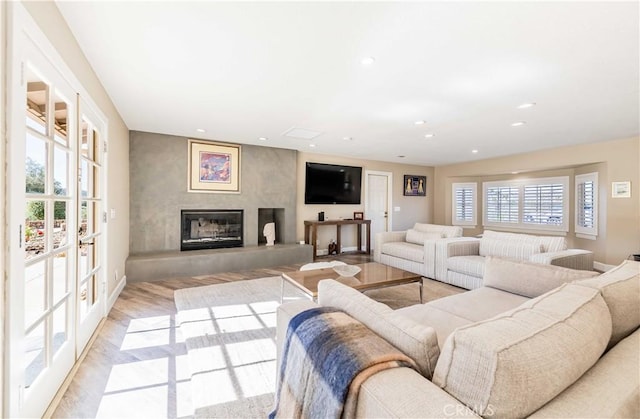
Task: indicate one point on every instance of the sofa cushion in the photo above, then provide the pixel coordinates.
(548, 243)
(514, 363)
(469, 265)
(419, 237)
(416, 340)
(613, 379)
(620, 288)
(448, 231)
(404, 250)
(526, 278)
(442, 321)
(508, 249)
(479, 304)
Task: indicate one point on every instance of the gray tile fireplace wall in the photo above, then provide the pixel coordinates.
(158, 173)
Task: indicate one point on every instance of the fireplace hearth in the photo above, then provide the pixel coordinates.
(211, 229)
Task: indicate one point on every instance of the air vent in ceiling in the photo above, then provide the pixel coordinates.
(304, 134)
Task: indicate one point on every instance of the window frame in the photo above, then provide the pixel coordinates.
(582, 231)
(473, 222)
(561, 228)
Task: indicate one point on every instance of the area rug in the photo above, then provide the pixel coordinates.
(229, 331)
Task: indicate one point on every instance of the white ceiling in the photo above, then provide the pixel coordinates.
(244, 70)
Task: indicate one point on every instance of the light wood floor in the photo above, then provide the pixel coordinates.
(137, 366)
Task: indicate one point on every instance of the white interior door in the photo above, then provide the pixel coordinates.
(378, 202)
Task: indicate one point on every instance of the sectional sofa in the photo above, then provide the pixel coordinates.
(534, 341)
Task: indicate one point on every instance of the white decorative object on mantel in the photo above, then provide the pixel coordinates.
(269, 232)
(621, 189)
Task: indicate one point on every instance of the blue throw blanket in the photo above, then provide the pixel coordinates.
(326, 357)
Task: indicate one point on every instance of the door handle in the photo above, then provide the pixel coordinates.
(85, 243)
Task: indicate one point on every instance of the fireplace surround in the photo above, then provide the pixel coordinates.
(211, 228)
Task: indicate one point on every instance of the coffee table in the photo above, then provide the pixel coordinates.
(372, 276)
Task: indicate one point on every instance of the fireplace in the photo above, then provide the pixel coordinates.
(211, 229)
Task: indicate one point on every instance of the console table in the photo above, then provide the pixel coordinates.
(311, 233)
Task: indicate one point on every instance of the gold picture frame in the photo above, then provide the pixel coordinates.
(213, 167)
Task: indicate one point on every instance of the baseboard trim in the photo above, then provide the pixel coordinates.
(116, 293)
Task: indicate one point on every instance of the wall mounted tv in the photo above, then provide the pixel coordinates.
(332, 184)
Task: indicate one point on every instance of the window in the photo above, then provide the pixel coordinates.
(501, 204)
(587, 205)
(533, 204)
(464, 204)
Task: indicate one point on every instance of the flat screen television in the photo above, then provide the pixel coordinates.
(332, 184)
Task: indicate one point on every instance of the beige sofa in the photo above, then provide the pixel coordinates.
(413, 250)
(461, 262)
(520, 346)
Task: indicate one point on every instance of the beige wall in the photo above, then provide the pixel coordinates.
(619, 160)
(3, 131)
(51, 22)
(412, 209)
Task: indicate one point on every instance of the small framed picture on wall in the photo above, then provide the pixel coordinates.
(414, 185)
(358, 215)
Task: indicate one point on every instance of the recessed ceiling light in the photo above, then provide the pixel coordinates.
(474, 151)
(420, 122)
(518, 124)
(347, 138)
(201, 130)
(312, 145)
(430, 135)
(526, 105)
(368, 61)
(262, 138)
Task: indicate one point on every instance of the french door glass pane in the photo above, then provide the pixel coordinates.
(60, 276)
(36, 157)
(35, 360)
(34, 229)
(61, 171)
(59, 327)
(60, 119)
(60, 223)
(34, 292)
(37, 102)
(88, 295)
(84, 145)
(84, 181)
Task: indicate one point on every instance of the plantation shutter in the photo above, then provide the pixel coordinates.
(502, 204)
(543, 204)
(586, 204)
(464, 204)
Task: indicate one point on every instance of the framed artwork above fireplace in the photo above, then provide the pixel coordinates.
(213, 167)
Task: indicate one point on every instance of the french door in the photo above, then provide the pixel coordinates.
(54, 191)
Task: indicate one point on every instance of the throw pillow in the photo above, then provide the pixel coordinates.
(620, 288)
(526, 278)
(415, 340)
(508, 249)
(514, 363)
(419, 237)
